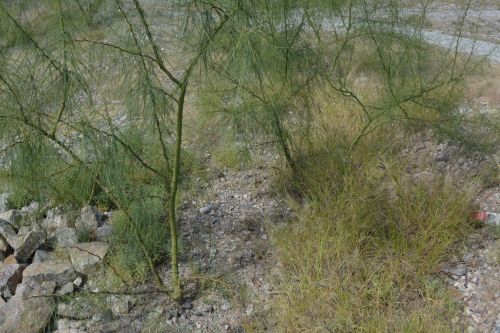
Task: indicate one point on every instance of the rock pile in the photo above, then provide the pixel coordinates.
(41, 257)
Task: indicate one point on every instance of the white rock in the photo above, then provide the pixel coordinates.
(78, 282)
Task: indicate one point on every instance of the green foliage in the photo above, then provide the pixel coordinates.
(126, 255)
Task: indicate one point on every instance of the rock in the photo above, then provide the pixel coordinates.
(28, 244)
(66, 289)
(7, 294)
(13, 216)
(458, 271)
(104, 233)
(54, 222)
(69, 330)
(32, 289)
(67, 326)
(10, 260)
(2, 302)
(8, 233)
(78, 308)
(119, 305)
(187, 305)
(89, 220)
(203, 308)
(4, 246)
(206, 209)
(24, 230)
(26, 315)
(85, 256)
(64, 237)
(4, 198)
(41, 255)
(2, 256)
(78, 282)
(59, 271)
(10, 276)
(31, 208)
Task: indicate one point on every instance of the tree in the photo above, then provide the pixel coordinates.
(94, 93)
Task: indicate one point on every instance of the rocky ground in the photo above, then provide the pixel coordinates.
(226, 266)
(474, 274)
(482, 22)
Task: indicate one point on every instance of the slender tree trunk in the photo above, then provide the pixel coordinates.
(172, 220)
(284, 146)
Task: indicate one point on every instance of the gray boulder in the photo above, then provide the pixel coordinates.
(119, 304)
(66, 289)
(8, 233)
(86, 256)
(78, 308)
(31, 315)
(28, 244)
(13, 216)
(104, 233)
(10, 276)
(64, 237)
(4, 198)
(54, 222)
(41, 255)
(32, 289)
(89, 220)
(59, 271)
(4, 246)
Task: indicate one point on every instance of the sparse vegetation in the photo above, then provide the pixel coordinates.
(120, 104)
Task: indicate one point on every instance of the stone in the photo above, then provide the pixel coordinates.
(31, 315)
(31, 208)
(24, 230)
(78, 282)
(8, 233)
(104, 233)
(206, 209)
(88, 220)
(32, 289)
(77, 308)
(66, 289)
(7, 294)
(13, 216)
(458, 271)
(4, 199)
(86, 256)
(10, 260)
(59, 271)
(4, 246)
(41, 255)
(66, 325)
(54, 222)
(119, 305)
(28, 244)
(69, 330)
(64, 237)
(10, 276)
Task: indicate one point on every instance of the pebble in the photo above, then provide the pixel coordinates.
(205, 210)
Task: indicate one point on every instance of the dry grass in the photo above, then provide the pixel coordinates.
(363, 251)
